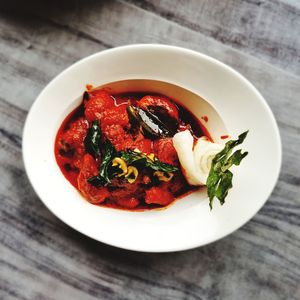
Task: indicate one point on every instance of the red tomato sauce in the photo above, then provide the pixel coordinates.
(78, 166)
(205, 118)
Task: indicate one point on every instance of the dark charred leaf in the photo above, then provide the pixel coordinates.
(96, 181)
(151, 124)
(86, 96)
(133, 115)
(161, 116)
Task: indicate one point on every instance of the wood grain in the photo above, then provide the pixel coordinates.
(266, 29)
(41, 258)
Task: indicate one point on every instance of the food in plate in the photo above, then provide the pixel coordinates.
(140, 151)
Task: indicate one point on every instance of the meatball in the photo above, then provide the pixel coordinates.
(95, 195)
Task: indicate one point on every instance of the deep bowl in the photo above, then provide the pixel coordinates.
(206, 87)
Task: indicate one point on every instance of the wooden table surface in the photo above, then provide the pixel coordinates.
(42, 258)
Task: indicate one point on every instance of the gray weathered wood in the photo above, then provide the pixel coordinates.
(41, 258)
(266, 29)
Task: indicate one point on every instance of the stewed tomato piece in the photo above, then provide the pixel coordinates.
(95, 195)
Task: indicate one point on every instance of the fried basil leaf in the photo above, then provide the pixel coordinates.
(143, 160)
(92, 140)
(106, 172)
(219, 180)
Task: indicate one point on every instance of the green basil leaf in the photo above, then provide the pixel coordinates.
(219, 180)
(93, 139)
(234, 159)
(106, 172)
(225, 183)
(108, 155)
(135, 158)
(157, 165)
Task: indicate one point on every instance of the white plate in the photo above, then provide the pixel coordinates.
(188, 223)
